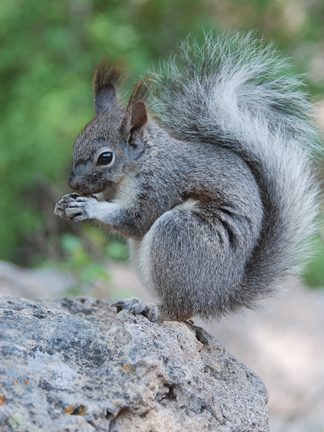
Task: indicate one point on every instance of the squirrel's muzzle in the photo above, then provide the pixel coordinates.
(73, 181)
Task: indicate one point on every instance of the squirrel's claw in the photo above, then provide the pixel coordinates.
(137, 307)
(70, 208)
(77, 208)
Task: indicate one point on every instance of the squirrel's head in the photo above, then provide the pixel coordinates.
(110, 145)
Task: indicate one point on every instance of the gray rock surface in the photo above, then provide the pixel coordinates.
(74, 365)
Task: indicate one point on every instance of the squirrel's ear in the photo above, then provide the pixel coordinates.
(106, 81)
(139, 116)
(136, 116)
(135, 120)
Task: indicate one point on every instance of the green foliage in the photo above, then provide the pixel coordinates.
(86, 258)
(117, 251)
(78, 261)
(49, 51)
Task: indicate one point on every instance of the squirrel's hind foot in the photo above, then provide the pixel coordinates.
(136, 306)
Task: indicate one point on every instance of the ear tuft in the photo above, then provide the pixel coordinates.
(142, 90)
(107, 79)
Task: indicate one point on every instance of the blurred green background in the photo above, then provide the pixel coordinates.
(48, 53)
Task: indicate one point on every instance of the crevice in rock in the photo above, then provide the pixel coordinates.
(171, 394)
(109, 415)
(123, 412)
(200, 335)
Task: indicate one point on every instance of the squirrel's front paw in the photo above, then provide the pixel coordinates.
(75, 207)
(136, 306)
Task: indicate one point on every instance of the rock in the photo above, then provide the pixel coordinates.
(74, 365)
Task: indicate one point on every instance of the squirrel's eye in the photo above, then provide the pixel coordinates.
(105, 158)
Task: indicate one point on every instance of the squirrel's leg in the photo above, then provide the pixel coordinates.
(77, 208)
(194, 263)
(111, 214)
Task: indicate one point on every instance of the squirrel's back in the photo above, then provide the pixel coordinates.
(236, 93)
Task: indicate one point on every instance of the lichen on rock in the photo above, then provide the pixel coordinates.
(75, 365)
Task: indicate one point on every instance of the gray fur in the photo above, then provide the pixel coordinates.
(218, 198)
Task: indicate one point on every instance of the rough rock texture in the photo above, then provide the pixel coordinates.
(74, 365)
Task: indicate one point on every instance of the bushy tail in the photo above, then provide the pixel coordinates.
(238, 93)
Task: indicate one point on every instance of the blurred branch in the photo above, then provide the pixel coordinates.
(41, 243)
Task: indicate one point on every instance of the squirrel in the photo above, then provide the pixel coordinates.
(207, 172)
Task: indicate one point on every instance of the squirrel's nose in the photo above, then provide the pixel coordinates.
(73, 183)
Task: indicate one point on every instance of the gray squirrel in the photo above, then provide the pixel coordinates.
(214, 190)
